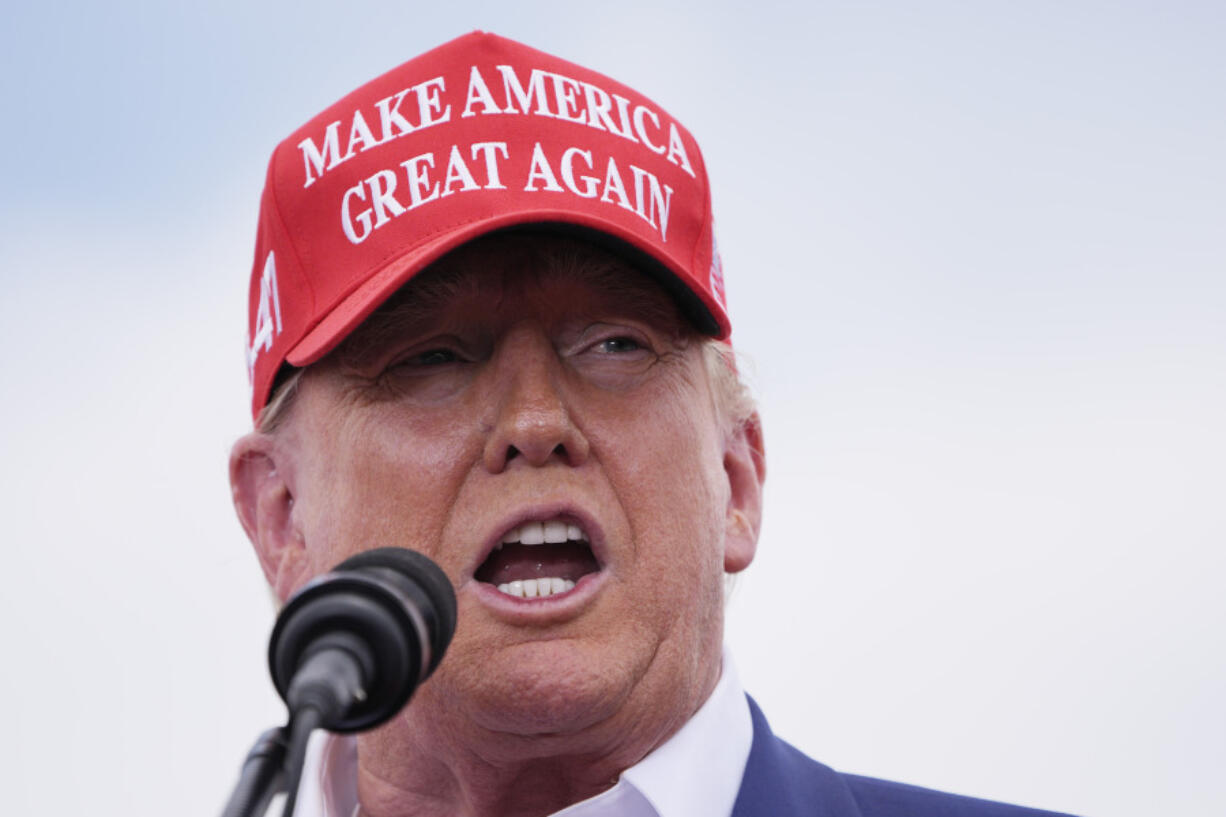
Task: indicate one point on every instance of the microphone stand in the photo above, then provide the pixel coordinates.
(262, 775)
(346, 653)
(274, 765)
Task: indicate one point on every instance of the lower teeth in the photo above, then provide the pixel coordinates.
(536, 588)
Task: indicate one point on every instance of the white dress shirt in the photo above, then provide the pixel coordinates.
(695, 773)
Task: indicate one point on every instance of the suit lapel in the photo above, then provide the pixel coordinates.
(779, 781)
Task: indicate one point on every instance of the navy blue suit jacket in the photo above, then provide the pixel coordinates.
(781, 782)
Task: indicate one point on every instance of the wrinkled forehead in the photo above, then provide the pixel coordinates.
(537, 271)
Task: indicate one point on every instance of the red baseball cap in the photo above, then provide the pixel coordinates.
(478, 135)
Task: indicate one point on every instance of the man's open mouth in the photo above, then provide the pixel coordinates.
(539, 559)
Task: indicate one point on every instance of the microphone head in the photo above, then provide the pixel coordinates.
(418, 568)
(391, 609)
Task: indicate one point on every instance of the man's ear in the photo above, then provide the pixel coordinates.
(745, 466)
(264, 500)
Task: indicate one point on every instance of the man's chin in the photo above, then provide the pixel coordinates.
(538, 689)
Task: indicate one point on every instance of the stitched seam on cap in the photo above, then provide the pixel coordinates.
(289, 238)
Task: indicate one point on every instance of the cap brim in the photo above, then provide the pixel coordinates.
(380, 285)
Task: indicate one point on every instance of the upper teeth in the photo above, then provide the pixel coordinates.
(539, 533)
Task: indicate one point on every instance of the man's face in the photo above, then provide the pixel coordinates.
(530, 388)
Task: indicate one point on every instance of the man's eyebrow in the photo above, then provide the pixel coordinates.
(634, 289)
(413, 306)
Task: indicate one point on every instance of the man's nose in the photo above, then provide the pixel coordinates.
(533, 422)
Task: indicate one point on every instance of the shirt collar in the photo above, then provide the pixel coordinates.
(695, 773)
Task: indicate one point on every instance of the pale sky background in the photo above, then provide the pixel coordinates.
(975, 249)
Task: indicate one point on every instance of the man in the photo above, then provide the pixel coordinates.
(487, 324)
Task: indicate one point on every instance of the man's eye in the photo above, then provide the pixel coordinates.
(436, 356)
(618, 345)
(429, 358)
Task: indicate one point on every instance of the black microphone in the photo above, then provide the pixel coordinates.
(354, 644)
